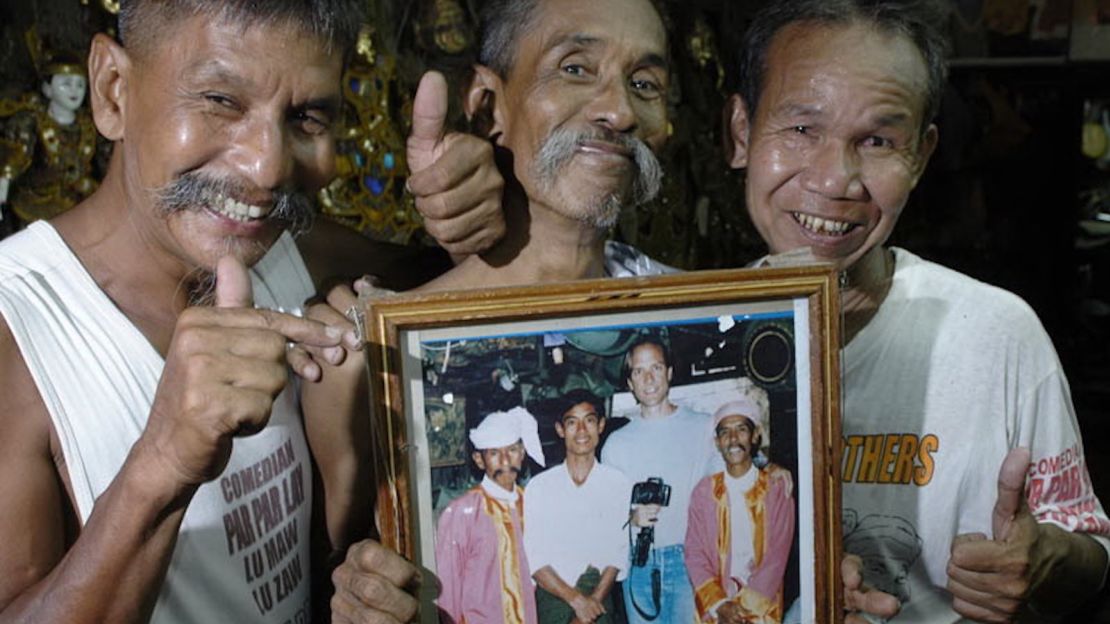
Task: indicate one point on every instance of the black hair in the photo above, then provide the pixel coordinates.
(576, 397)
(921, 21)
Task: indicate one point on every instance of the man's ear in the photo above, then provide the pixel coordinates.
(559, 429)
(477, 457)
(109, 70)
(482, 100)
(925, 148)
(737, 132)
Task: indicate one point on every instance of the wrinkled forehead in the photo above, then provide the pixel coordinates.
(808, 58)
(631, 27)
(255, 57)
(735, 421)
(222, 26)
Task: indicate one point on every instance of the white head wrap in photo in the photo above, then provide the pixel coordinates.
(752, 403)
(501, 429)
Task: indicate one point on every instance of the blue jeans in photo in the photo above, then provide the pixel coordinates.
(676, 595)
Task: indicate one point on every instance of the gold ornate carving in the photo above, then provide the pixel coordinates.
(368, 193)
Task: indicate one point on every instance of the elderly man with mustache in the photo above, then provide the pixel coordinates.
(741, 520)
(480, 536)
(572, 93)
(153, 451)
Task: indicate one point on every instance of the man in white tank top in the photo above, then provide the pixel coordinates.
(154, 465)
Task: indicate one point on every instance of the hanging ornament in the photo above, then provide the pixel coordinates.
(368, 193)
(111, 6)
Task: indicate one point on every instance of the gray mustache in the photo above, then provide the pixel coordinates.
(559, 148)
(193, 191)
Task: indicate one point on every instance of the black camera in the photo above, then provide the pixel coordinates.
(650, 492)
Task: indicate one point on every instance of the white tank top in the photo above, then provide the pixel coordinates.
(243, 551)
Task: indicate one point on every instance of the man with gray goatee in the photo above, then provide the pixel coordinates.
(573, 95)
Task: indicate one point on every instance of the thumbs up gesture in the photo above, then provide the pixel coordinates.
(453, 176)
(225, 366)
(990, 578)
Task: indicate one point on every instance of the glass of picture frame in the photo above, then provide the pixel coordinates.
(442, 363)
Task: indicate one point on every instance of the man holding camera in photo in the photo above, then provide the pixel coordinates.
(648, 447)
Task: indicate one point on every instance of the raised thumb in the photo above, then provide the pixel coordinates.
(1011, 491)
(429, 116)
(233, 284)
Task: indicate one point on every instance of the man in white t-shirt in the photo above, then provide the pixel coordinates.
(965, 489)
(576, 513)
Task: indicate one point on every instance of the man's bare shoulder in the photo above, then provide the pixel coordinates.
(331, 251)
(24, 421)
(36, 512)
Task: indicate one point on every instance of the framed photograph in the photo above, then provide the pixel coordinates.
(593, 431)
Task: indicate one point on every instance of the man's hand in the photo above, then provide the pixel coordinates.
(335, 311)
(332, 311)
(645, 515)
(730, 613)
(861, 598)
(373, 584)
(224, 367)
(990, 579)
(453, 176)
(586, 608)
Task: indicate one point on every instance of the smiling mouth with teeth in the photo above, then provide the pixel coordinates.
(237, 210)
(827, 227)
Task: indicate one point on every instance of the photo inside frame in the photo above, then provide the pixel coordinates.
(457, 376)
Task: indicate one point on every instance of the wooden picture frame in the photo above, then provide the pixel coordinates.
(777, 327)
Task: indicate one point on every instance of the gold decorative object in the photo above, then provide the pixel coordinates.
(702, 46)
(445, 26)
(111, 6)
(368, 193)
(49, 162)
